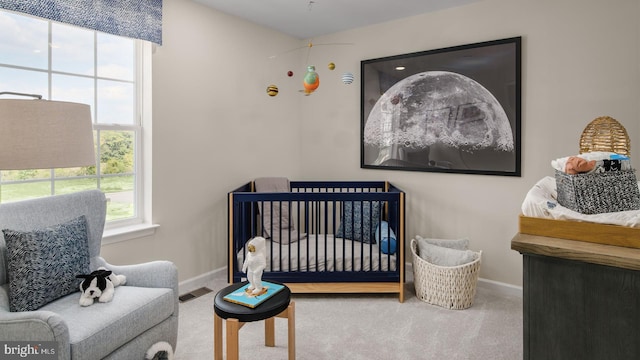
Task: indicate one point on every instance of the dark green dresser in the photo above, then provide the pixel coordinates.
(581, 300)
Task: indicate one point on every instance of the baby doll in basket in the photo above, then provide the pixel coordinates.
(255, 264)
(577, 165)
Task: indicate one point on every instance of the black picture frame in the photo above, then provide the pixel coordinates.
(451, 110)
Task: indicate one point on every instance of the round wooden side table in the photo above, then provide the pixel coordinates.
(280, 305)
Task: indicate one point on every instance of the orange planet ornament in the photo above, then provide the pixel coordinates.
(311, 80)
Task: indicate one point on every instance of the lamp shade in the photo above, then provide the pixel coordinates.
(43, 134)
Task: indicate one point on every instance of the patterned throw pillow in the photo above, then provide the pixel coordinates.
(361, 219)
(42, 264)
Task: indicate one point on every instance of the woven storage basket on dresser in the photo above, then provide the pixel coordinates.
(451, 287)
(596, 193)
(600, 192)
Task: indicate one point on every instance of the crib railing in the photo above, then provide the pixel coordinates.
(317, 212)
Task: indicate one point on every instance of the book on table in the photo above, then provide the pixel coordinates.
(244, 297)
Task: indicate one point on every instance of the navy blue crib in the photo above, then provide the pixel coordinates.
(332, 247)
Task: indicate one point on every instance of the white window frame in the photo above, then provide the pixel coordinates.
(141, 224)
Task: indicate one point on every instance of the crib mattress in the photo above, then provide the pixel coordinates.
(325, 253)
(543, 215)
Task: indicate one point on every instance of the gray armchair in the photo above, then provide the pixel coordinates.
(142, 312)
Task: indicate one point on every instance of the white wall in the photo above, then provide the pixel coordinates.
(579, 60)
(215, 128)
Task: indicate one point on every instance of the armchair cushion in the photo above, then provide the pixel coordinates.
(94, 331)
(42, 264)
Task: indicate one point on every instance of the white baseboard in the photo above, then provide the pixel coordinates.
(199, 281)
(500, 287)
(496, 287)
(491, 285)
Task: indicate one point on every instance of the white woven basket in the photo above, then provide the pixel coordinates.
(449, 287)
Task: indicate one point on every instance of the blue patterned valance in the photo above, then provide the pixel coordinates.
(139, 19)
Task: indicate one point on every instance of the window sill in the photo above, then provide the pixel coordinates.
(128, 233)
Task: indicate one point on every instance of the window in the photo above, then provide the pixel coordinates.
(63, 62)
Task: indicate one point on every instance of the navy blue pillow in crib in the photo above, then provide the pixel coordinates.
(361, 219)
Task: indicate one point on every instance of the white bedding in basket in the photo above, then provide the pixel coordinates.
(541, 201)
(320, 255)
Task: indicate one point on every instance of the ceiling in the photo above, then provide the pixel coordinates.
(305, 19)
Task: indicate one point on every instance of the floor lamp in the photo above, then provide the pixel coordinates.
(44, 134)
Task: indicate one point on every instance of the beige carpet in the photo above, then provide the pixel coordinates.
(352, 327)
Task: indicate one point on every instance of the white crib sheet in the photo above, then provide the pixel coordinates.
(541, 201)
(320, 256)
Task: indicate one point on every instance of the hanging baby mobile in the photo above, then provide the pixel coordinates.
(311, 79)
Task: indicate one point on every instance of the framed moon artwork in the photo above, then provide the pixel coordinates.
(453, 110)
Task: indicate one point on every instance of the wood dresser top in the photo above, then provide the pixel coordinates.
(610, 255)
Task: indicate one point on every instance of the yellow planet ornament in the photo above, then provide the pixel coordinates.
(331, 66)
(272, 90)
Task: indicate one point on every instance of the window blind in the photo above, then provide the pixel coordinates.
(138, 19)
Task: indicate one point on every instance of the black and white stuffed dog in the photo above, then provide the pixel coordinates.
(100, 285)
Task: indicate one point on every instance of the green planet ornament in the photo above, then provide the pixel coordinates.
(272, 90)
(311, 80)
